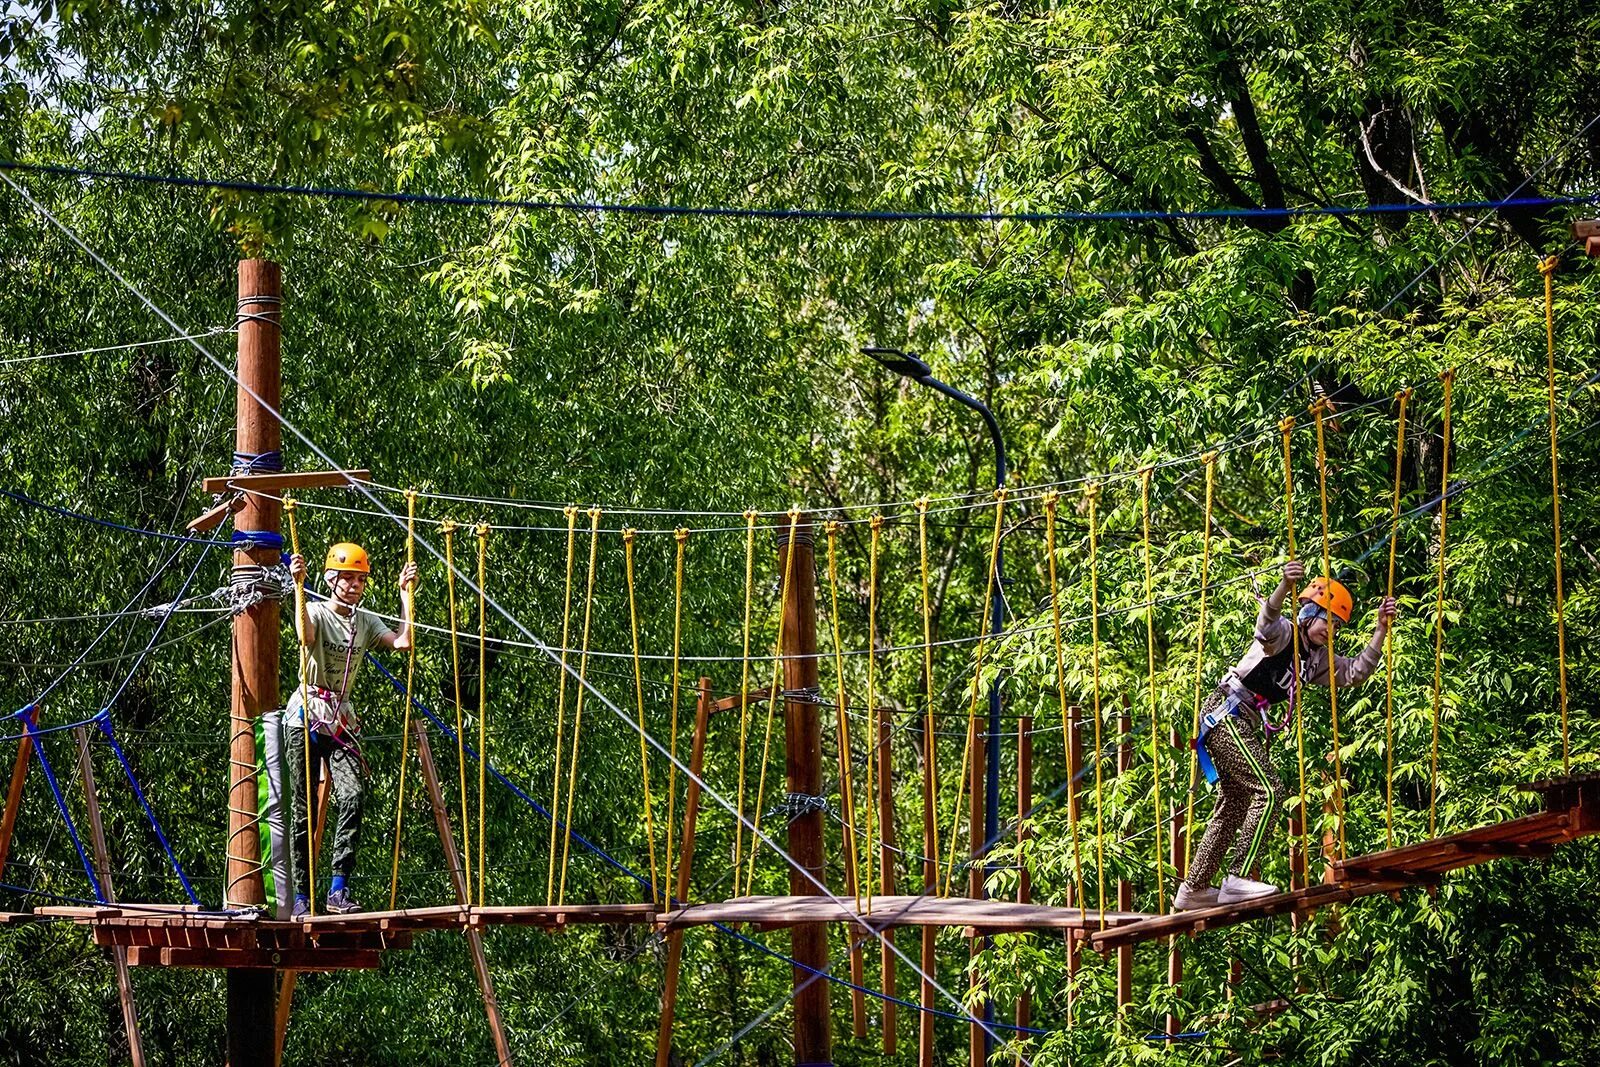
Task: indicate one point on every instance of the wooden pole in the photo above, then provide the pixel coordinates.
(19, 776)
(886, 880)
(280, 1022)
(1180, 861)
(802, 722)
(251, 993)
(853, 935)
(1124, 887)
(976, 1050)
(1075, 813)
(1024, 834)
(102, 863)
(691, 813)
(458, 882)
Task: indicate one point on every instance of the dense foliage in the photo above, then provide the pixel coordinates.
(711, 364)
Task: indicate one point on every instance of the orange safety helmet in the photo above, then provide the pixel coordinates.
(345, 556)
(1329, 595)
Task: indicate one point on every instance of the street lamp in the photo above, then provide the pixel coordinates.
(910, 365)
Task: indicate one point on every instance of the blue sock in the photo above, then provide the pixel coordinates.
(338, 883)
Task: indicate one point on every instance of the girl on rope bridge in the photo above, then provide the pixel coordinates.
(336, 634)
(1234, 725)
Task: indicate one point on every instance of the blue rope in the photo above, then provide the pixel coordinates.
(248, 539)
(40, 731)
(105, 728)
(61, 803)
(803, 214)
(257, 462)
(23, 498)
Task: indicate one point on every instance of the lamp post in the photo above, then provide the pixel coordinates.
(909, 365)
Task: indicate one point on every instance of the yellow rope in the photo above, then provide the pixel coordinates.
(1210, 461)
(1547, 267)
(977, 676)
(1050, 501)
(483, 704)
(561, 701)
(577, 711)
(1319, 409)
(928, 732)
(846, 763)
(744, 682)
(772, 704)
(682, 536)
(656, 884)
(448, 529)
(1403, 396)
(411, 672)
(875, 757)
(1286, 428)
(1448, 377)
(305, 710)
(1150, 667)
(1091, 494)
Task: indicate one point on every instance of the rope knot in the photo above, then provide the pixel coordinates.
(289, 504)
(1549, 265)
(1286, 424)
(750, 516)
(571, 512)
(921, 504)
(628, 534)
(831, 527)
(1404, 394)
(594, 513)
(1000, 494)
(1091, 493)
(1210, 457)
(447, 527)
(681, 534)
(482, 530)
(876, 522)
(1448, 376)
(1050, 500)
(411, 498)
(1320, 406)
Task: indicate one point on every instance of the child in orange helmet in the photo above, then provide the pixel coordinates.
(336, 633)
(1234, 726)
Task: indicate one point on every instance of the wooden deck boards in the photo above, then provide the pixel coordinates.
(885, 912)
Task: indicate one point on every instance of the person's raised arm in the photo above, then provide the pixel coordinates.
(1270, 629)
(303, 626)
(401, 642)
(1353, 670)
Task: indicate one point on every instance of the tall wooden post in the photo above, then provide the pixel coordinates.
(1075, 814)
(1124, 887)
(1180, 862)
(458, 882)
(976, 1047)
(802, 730)
(251, 993)
(19, 776)
(691, 813)
(886, 881)
(1024, 834)
(102, 863)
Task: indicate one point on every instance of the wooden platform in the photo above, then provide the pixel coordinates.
(1572, 811)
(886, 912)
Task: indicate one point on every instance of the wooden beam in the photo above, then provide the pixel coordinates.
(458, 882)
(298, 959)
(691, 814)
(102, 862)
(739, 700)
(211, 518)
(275, 483)
(19, 776)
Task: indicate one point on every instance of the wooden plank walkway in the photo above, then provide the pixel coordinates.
(885, 912)
(1572, 811)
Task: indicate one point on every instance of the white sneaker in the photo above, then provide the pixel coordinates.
(1236, 889)
(1188, 899)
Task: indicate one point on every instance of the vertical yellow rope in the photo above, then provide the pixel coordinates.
(448, 529)
(1448, 377)
(846, 763)
(682, 537)
(772, 704)
(1051, 499)
(577, 710)
(571, 512)
(1319, 409)
(305, 711)
(977, 675)
(1150, 667)
(1403, 396)
(875, 757)
(1286, 428)
(1091, 496)
(744, 682)
(411, 673)
(1210, 461)
(1547, 267)
(483, 704)
(929, 748)
(656, 885)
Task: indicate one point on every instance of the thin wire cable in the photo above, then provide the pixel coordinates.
(115, 348)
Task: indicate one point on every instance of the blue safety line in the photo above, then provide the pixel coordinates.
(105, 728)
(40, 731)
(61, 803)
(23, 498)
